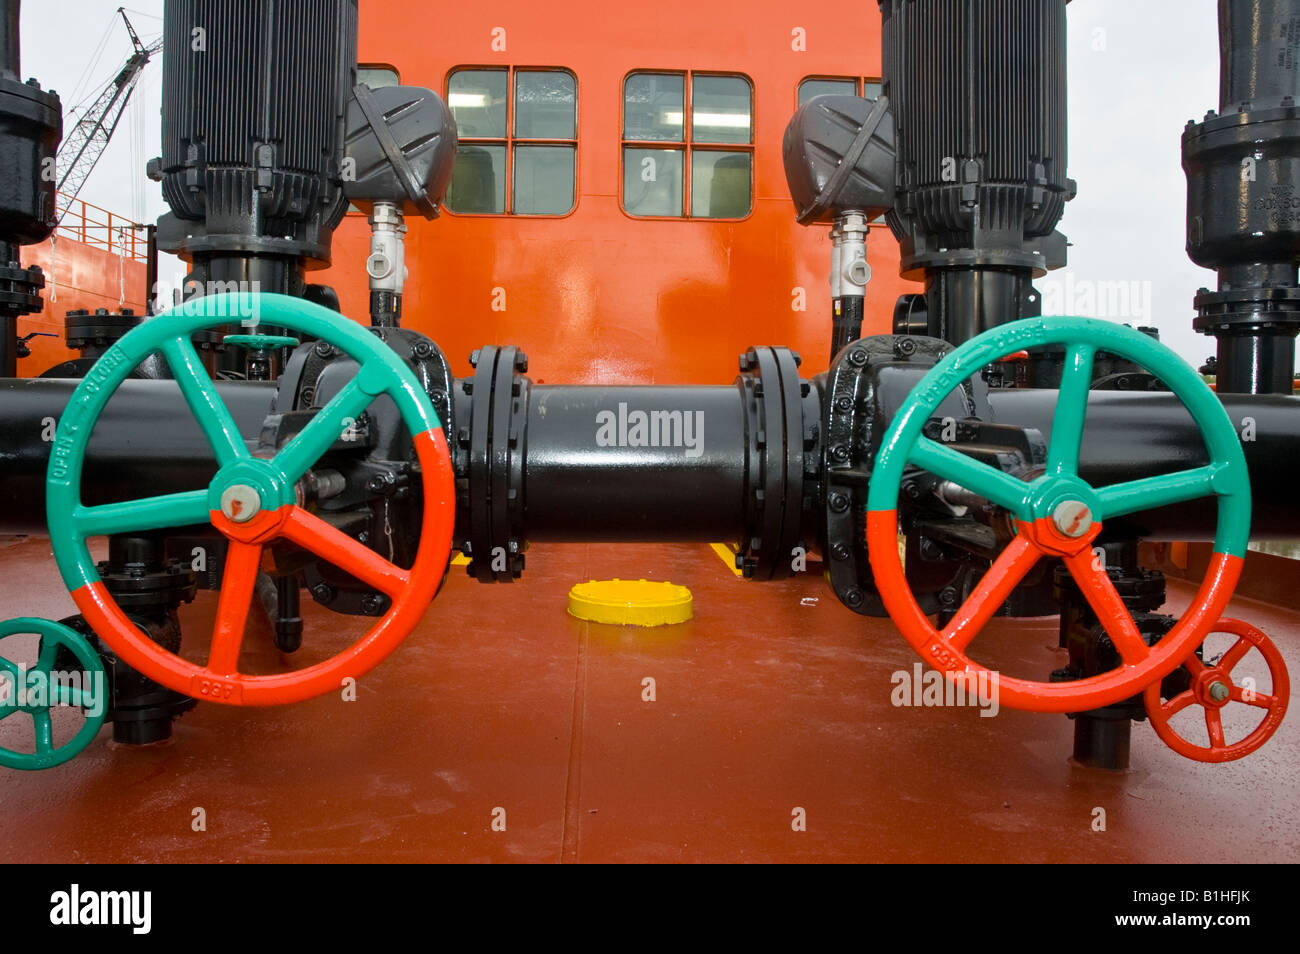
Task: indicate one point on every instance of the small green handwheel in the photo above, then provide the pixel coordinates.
(261, 342)
(37, 689)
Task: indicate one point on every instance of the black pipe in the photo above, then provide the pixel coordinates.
(584, 479)
(1257, 47)
(1243, 169)
(145, 442)
(11, 63)
(1132, 435)
(846, 322)
(8, 319)
(151, 271)
(10, 49)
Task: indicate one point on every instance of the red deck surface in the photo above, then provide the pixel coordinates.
(773, 697)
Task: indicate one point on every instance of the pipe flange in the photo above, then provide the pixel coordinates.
(773, 394)
(495, 541)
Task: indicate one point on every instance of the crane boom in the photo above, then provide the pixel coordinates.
(90, 135)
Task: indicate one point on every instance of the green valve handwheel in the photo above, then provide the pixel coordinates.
(1057, 514)
(35, 690)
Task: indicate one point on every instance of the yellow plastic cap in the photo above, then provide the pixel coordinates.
(630, 602)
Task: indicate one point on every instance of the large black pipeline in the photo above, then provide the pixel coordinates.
(585, 480)
(145, 442)
(1130, 435)
(579, 488)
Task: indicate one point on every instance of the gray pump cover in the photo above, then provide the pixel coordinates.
(839, 155)
(401, 141)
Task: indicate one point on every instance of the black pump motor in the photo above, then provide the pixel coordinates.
(978, 95)
(255, 96)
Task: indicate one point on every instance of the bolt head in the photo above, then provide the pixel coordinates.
(240, 503)
(1219, 692)
(1072, 518)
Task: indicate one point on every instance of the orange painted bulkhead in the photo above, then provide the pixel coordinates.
(600, 296)
(95, 259)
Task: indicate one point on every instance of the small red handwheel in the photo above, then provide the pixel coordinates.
(1213, 689)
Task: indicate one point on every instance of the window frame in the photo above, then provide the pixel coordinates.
(859, 83)
(380, 66)
(687, 144)
(510, 140)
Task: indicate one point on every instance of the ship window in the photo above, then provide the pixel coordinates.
(816, 86)
(518, 127)
(837, 85)
(676, 168)
(377, 76)
(653, 107)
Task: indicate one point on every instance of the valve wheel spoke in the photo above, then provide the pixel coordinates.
(994, 587)
(1235, 654)
(1178, 703)
(320, 433)
(204, 401)
(1214, 726)
(1152, 492)
(237, 583)
(44, 731)
(990, 483)
(149, 513)
(69, 696)
(1257, 699)
(312, 533)
(1108, 606)
(1071, 407)
(45, 658)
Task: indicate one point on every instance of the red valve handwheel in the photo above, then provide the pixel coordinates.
(1213, 689)
(252, 501)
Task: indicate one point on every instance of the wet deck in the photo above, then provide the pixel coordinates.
(773, 698)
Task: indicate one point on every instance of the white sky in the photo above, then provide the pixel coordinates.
(1138, 70)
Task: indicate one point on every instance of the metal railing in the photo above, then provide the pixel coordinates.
(99, 228)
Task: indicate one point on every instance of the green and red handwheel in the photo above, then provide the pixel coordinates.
(1059, 515)
(251, 500)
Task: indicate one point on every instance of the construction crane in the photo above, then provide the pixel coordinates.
(92, 132)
